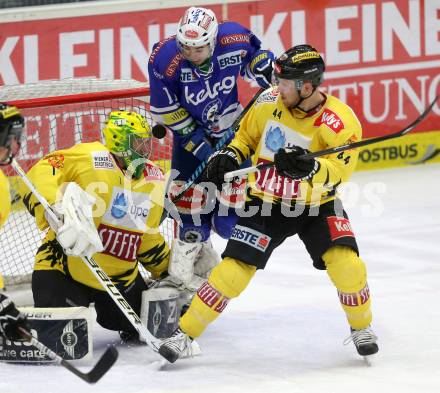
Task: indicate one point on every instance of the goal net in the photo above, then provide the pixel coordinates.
(60, 114)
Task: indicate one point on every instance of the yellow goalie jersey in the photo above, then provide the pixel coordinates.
(126, 213)
(5, 205)
(269, 126)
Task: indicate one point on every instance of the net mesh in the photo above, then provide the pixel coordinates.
(58, 115)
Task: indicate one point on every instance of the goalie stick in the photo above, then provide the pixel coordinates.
(246, 171)
(104, 364)
(96, 270)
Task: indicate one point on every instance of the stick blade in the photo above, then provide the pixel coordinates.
(104, 364)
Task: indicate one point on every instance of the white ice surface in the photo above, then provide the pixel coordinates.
(285, 332)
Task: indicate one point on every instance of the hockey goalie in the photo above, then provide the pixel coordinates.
(108, 199)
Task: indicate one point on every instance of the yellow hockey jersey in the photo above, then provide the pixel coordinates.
(127, 213)
(5, 199)
(269, 126)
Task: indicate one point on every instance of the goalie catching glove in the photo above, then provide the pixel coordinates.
(75, 229)
(288, 164)
(11, 320)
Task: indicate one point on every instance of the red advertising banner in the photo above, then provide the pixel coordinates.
(383, 57)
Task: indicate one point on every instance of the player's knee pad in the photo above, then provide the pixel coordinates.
(191, 233)
(348, 273)
(346, 270)
(231, 277)
(227, 280)
(223, 225)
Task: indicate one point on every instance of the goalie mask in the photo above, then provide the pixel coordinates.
(197, 28)
(128, 136)
(11, 128)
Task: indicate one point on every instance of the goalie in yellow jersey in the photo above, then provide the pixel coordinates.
(119, 200)
(292, 196)
(11, 127)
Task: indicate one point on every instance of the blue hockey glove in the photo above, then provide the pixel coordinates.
(262, 66)
(198, 144)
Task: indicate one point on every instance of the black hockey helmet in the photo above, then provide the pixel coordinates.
(11, 126)
(301, 63)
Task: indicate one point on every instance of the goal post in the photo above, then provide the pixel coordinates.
(60, 114)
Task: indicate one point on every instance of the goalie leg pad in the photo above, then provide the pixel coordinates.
(66, 331)
(208, 259)
(159, 311)
(191, 263)
(182, 259)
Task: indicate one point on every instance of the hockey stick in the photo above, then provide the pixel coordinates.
(100, 275)
(245, 171)
(220, 143)
(104, 364)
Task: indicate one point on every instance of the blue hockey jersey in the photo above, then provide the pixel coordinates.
(183, 99)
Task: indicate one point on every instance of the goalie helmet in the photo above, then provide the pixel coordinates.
(197, 27)
(300, 63)
(128, 136)
(11, 128)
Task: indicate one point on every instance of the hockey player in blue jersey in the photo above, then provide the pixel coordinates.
(193, 92)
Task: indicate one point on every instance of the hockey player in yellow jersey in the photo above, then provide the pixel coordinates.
(293, 196)
(11, 127)
(128, 191)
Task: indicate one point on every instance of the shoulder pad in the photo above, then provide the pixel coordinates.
(337, 116)
(230, 33)
(166, 57)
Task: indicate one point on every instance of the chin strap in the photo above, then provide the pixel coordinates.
(302, 113)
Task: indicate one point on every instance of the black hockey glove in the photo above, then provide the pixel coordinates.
(10, 320)
(221, 162)
(288, 164)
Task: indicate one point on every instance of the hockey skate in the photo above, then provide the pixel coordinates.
(177, 346)
(364, 341)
